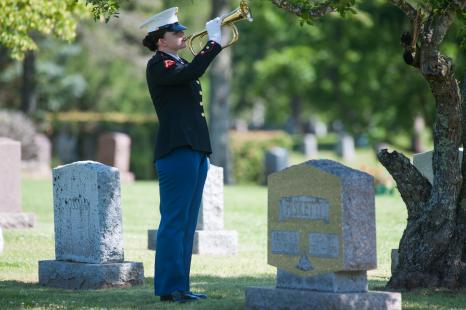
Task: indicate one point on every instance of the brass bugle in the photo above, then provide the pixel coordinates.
(228, 20)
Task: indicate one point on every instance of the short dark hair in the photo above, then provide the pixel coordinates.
(152, 38)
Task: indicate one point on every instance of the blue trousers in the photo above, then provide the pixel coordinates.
(182, 174)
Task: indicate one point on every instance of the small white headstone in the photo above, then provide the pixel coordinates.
(345, 147)
(423, 163)
(310, 146)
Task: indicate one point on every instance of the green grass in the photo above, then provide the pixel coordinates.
(224, 279)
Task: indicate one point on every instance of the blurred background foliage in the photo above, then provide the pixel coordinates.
(346, 71)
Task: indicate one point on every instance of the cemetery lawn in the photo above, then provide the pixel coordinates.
(224, 279)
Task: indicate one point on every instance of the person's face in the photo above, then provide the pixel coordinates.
(173, 40)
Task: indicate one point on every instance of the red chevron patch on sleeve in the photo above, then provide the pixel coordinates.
(169, 63)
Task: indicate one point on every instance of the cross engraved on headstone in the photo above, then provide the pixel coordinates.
(304, 263)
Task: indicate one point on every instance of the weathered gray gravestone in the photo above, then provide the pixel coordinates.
(10, 187)
(423, 163)
(345, 147)
(88, 231)
(114, 149)
(276, 159)
(210, 237)
(321, 238)
(310, 146)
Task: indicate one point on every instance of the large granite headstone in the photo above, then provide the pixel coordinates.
(11, 215)
(114, 149)
(321, 238)
(210, 237)
(88, 231)
(423, 163)
(345, 147)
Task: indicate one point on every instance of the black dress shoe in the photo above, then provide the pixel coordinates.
(200, 296)
(178, 296)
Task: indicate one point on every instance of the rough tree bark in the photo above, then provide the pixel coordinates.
(219, 107)
(432, 248)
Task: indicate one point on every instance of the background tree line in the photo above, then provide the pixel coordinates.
(346, 69)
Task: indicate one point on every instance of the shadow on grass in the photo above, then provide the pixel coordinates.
(224, 293)
(425, 298)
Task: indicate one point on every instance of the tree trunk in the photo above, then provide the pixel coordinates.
(219, 113)
(432, 246)
(28, 87)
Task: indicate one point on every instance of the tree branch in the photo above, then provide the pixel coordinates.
(300, 10)
(407, 8)
(414, 188)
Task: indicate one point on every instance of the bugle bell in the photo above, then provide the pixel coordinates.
(229, 20)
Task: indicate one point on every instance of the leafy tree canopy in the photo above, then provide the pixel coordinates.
(23, 20)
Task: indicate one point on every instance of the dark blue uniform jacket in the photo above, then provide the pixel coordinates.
(177, 97)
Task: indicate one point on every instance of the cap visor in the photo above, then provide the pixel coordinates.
(178, 27)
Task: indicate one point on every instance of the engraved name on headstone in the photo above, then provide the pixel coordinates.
(304, 207)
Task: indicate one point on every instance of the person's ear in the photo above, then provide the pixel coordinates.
(160, 41)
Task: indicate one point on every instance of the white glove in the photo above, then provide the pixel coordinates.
(214, 30)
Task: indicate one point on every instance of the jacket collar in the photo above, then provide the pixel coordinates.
(164, 55)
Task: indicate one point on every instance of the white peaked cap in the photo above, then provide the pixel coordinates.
(163, 18)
